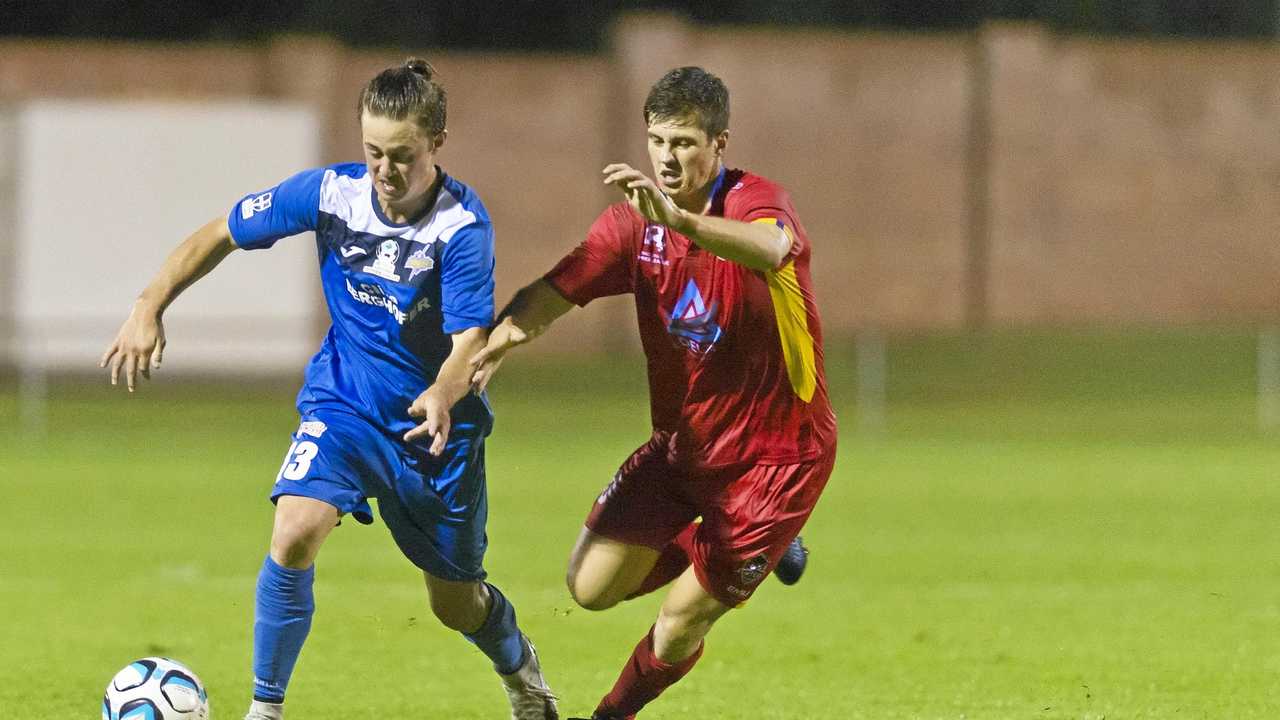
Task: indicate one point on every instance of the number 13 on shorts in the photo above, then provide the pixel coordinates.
(298, 460)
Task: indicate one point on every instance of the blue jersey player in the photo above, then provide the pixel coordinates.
(406, 260)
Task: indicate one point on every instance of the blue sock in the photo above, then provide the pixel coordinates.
(498, 637)
(282, 619)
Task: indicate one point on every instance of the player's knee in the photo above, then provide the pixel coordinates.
(677, 636)
(590, 596)
(677, 628)
(299, 529)
(295, 545)
(683, 624)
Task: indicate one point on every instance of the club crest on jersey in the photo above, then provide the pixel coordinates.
(384, 265)
(255, 204)
(693, 322)
(653, 249)
(419, 262)
(752, 571)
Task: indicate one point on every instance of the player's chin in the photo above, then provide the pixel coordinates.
(670, 185)
(672, 191)
(678, 195)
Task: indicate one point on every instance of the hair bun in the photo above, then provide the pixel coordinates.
(421, 67)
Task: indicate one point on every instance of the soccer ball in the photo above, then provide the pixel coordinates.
(155, 688)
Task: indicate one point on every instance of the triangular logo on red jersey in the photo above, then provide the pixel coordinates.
(693, 322)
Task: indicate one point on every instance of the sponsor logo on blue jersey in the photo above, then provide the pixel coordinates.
(693, 322)
(423, 305)
(373, 294)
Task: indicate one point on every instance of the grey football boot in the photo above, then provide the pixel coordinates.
(527, 690)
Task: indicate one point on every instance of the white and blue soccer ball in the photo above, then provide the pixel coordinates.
(155, 688)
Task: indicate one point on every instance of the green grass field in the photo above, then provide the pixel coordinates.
(1067, 525)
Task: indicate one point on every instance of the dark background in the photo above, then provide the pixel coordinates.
(565, 25)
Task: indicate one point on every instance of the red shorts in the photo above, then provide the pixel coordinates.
(750, 513)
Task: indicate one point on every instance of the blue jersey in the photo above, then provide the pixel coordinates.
(396, 292)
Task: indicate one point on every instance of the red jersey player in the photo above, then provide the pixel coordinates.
(743, 433)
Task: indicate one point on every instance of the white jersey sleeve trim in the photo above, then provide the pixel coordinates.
(449, 217)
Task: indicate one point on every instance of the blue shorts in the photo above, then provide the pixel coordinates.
(435, 507)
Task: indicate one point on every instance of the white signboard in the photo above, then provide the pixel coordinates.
(103, 191)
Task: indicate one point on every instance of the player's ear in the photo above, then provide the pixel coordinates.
(439, 139)
(721, 141)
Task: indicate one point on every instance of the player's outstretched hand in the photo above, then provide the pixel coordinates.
(138, 347)
(504, 336)
(433, 411)
(643, 194)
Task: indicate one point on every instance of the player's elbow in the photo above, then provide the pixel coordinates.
(773, 261)
(765, 252)
(776, 251)
(765, 260)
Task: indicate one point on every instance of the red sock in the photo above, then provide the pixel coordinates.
(673, 561)
(643, 678)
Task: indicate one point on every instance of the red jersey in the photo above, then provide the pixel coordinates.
(734, 354)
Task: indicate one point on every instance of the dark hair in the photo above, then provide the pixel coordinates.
(406, 91)
(690, 93)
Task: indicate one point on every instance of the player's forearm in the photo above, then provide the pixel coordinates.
(759, 246)
(534, 308)
(190, 261)
(453, 381)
